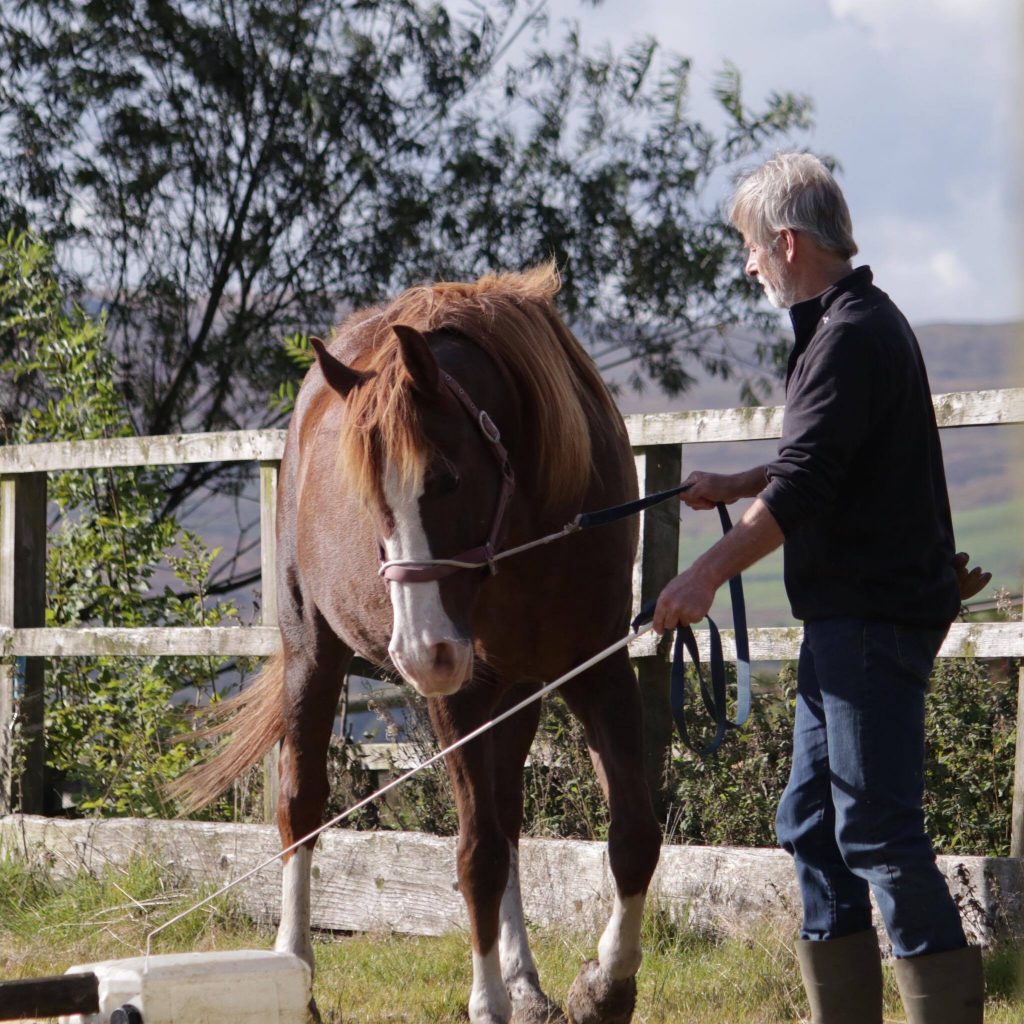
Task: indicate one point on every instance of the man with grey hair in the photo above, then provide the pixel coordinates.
(858, 496)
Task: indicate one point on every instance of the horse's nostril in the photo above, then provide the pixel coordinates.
(443, 657)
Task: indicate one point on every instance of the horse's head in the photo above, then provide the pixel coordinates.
(430, 472)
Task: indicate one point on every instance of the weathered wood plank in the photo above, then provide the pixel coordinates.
(659, 561)
(23, 605)
(782, 643)
(8, 548)
(8, 580)
(405, 882)
(637, 579)
(770, 643)
(954, 409)
(268, 614)
(83, 641)
(159, 450)
(1017, 806)
(979, 408)
(268, 543)
(700, 425)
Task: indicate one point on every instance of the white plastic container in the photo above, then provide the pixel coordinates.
(247, 986)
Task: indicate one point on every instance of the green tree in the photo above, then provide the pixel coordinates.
(226, 173)
(110, 724)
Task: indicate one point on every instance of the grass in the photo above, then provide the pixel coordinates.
(46, 926)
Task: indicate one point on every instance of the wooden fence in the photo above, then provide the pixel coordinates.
(405, 882)
(658, 441)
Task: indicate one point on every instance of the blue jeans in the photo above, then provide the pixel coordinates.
(851, 815)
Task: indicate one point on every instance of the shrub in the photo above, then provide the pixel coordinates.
(111, 729)
(971, 730)
(730, 798)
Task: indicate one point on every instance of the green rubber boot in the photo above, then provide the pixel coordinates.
(943, 988)
(843, 978)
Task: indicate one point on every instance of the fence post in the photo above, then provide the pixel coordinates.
(22, 605)
(659, 560)
(1017, 807)
(268, 611)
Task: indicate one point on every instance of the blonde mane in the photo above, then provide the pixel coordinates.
(511, 318)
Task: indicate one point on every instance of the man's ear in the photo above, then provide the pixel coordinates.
(418, 359)
(340, 377)
(788, 244)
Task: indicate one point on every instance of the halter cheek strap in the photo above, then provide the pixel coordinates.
(412, 570)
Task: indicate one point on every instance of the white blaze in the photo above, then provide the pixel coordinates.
(420, 621)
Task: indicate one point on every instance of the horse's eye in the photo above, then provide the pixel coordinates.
(440, 481)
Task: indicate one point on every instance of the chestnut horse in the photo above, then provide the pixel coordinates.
(387, 467)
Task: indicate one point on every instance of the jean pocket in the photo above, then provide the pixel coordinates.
(917, 647)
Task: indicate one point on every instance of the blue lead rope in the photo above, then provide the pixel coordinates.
(713, 696)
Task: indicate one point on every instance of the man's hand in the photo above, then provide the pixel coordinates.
(705, 490)
(685, 600)
(971, 582)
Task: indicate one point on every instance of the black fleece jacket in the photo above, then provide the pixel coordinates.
(858, 487)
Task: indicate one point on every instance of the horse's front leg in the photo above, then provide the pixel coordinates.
(483, 850)
(607, 701)
(313, 674)
(512, 740)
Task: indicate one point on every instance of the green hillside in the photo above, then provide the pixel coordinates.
(994, 537)
(991, 534)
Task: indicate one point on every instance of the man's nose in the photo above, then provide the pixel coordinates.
(751, 267)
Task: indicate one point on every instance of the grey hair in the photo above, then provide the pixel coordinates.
(796, 191)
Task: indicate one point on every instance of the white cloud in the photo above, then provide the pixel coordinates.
(919, 101)
(950, 272)
(954, 268)
(899, 23)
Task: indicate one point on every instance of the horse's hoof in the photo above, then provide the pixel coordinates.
(536, 1008)
(594, 998)
(314, 1013)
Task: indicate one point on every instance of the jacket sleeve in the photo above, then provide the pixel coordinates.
(831, 406)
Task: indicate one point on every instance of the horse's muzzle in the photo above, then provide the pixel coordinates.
(436, 670)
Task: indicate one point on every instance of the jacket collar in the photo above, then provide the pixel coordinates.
(806, 315)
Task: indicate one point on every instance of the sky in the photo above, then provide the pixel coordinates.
(918, 100)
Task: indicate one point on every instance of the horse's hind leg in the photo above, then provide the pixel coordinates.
(607, 701)
(312, 684)
(512, 739)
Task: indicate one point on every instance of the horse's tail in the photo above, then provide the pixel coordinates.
(254, 720)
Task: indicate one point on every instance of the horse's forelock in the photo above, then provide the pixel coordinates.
(382, 430)
(511, 318)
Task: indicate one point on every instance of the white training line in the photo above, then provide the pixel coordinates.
(543, 691)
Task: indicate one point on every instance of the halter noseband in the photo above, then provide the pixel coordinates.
(423, 570)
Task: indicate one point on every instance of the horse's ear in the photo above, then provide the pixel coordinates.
(418, 359)
(338, 375)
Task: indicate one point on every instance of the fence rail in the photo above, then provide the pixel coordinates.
(757, 423)
(767, 643)
(657, 439)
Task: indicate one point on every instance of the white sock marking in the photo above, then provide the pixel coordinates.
(619, 949)
(293, 931)
(517, 964)
(488, 1000)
